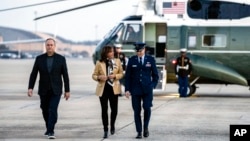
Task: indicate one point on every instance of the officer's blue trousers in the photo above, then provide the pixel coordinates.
(147, 104)
(183, 85)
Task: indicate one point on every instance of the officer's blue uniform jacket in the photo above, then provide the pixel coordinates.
(141, 79)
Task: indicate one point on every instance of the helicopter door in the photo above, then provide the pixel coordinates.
(155, 38)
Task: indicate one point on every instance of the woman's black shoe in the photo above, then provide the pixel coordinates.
(105, 134)
(139, 136)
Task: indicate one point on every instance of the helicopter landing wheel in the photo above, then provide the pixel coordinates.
(191, 90)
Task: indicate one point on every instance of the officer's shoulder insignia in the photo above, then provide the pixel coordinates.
(134, 65)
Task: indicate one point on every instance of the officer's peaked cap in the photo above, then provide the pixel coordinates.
(139, 45)
(118, 45)
(183, 50)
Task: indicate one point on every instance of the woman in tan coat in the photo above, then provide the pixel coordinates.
(108, 71)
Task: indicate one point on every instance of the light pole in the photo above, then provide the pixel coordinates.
(35, 21)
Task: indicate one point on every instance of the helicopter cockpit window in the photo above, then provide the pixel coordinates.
(112, 32)
(132, 33)
(217, 40)
(119, 35)
(116, 33)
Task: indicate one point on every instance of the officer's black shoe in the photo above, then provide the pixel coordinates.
(112, 131)
(46, 133)
(139, 136)
(105, 134)
(145, 133)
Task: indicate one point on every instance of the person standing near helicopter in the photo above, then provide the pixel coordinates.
(183, 69)
(119, 55)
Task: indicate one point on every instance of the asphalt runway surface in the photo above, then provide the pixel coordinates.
(206, 116)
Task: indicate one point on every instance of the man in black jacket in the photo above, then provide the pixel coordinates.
(52, 68)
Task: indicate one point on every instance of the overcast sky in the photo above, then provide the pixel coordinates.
(85, 24)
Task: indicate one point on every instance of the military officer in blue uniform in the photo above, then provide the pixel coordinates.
(141, 78)
(183, 69)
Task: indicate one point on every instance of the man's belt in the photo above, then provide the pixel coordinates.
(184, 68)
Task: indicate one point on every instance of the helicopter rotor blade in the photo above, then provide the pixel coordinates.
(25, 6)
(64, 11)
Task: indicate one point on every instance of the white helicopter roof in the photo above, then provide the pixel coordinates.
(236, 1)
(178, 19)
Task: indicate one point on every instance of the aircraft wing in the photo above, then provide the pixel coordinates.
(210, 69)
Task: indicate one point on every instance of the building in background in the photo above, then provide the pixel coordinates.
(17, 43)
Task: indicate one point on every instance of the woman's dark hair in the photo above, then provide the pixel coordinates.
(105, 50)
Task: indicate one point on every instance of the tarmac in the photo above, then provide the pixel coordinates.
(206, 116)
